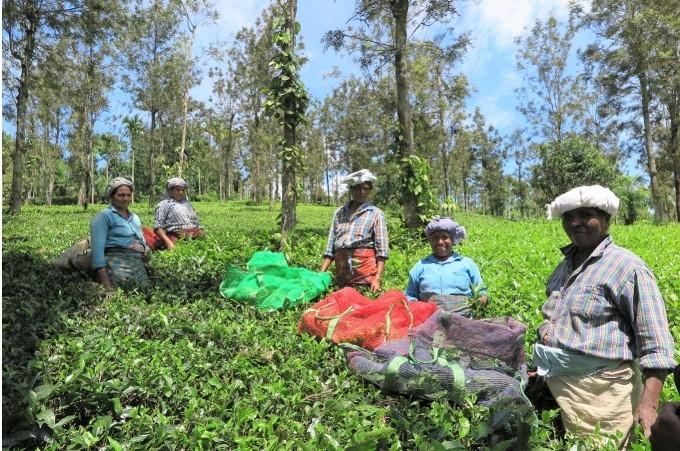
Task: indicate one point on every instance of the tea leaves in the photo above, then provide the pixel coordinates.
(182, 368)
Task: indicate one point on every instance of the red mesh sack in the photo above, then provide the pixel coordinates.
(151, 238)
(348, 317)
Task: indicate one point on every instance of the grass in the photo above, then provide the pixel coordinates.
(183, 368)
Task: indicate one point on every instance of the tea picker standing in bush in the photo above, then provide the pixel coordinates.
(604, 317)
(357, 239)
(118, 247)
(446, 277)
(175, 216)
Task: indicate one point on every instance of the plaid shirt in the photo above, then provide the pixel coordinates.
(609, 307)
(364, 229)
(172, 215)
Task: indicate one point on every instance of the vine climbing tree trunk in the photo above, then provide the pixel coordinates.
(287, 102)
(288, 176)
(406, 143)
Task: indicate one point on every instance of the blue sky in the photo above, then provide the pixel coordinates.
(489, 64)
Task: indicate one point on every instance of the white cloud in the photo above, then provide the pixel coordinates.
(234, 15)
(490, 62)
(496, 113)
(500, 21)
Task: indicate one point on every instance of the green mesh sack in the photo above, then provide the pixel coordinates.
(270, 284)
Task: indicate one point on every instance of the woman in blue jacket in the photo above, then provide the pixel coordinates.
(118, 247)
(446, 277)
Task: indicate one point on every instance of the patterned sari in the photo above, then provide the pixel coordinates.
(355, 267)
(126, 268)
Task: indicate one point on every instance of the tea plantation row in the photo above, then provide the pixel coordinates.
(183, 368)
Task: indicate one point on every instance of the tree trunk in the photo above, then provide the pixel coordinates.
(57, 155)
(674, 147)
(288, 175)
(16, 193)
(442, 115)
(181, 151)
(132, 162)
(649, 148)
(406, 145)
(272, 181)
(152, 159)
(227, 156)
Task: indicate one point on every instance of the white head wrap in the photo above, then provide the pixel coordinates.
(456, 231)
(175, 181)
(355, 178)
(117, 183)
(594, 196)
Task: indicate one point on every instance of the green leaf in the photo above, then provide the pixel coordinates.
(115, 445)
(463, 427)
(46, 417)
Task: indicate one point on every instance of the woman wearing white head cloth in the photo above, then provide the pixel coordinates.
(118, 248)
(357, 239)
(604, 317)
(175, 217)
(446, 277)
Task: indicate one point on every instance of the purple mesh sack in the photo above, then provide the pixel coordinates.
(450, 356)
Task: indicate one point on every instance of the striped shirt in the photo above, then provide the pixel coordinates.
(365, 228)
(609, 307)
(172, 215)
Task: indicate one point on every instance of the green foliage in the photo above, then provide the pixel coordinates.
(572, 163)
(449, 207)
(416, 180)
(287, 98)
(634, 197)
(184, 368)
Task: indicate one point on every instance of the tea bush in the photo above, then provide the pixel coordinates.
(183, 368)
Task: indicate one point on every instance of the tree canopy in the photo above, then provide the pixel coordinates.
(406, 114)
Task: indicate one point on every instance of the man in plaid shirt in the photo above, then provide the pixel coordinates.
(603, 319)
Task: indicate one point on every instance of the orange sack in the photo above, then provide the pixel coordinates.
(346, 316)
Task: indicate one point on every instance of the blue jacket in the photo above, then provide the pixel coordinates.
(456, 275)
(109, 229)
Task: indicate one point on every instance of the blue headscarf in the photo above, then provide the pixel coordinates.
(448, 225)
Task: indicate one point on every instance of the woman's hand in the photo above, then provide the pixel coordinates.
(103, 278)
(326, 263)
(146, 256)
(483, 300)
(166, 239)
(375, 285)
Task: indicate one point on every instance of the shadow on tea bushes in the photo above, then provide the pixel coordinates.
(38, 301)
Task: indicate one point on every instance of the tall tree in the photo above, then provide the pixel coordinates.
(487, 148)
(663, 21)
(91, 75)
(551, 99)
(383, 35)
(251, 53)
(195, 13)
(521, 155)
(149, 49)
(134, 127)
(28, 25)
(625, 54)
(222, 122)
(287, 102)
